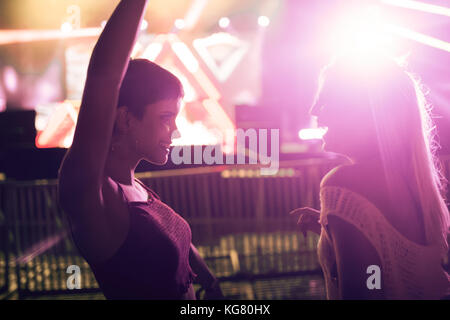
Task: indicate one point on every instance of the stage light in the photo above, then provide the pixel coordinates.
(68, 141)
(312, 133)
(420, 6)
(2, 104)
(186, 56)
(361, 32)
(224, 22)
(10, 79)
(66, 27)
(419, 37)
(366, 33)
(144, 25)
(46, 90)
(263, 21)
(152, 51)
(136, 49)
(180, 24)
(193, 133)
(222, 53)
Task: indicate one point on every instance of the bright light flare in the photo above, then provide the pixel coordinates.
(224, 22)
(66, 27)
(20, 36)
(180, 24)
(195, 133)
(419, 37)
(312, 133)
(420, 6)
(362, 32)
(144, 25)
(263, 21)
(366, 34)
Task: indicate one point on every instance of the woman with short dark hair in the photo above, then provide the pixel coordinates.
(136, 245)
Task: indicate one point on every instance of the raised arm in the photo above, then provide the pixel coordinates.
(85, 161)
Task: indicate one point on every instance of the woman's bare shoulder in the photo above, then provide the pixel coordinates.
(354, 177)
(341, 176)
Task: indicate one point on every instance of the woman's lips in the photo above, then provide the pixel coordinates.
(165, 146)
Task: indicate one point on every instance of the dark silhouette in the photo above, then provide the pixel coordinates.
(385, 206)
(137, 246)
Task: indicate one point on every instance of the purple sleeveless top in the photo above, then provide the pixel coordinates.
(153, 261)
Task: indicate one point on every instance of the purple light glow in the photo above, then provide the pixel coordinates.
(40, 248)
(10, 79)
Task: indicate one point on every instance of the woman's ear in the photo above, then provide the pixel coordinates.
(122, 120)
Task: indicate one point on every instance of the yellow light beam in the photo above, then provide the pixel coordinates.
(420, 6)
(19, 36)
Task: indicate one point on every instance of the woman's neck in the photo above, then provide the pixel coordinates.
(120, 167)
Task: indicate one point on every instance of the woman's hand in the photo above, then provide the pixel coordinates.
(308, 220)
(212, 292)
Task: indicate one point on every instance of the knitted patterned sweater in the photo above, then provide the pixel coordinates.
(409, 270)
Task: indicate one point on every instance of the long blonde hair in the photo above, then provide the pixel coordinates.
(404, 128)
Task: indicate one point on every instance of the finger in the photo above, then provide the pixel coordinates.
(300, 211)
(305, 210)
(306, 218)
(296, 211)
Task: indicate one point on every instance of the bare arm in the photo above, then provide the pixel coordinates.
(86, 159)
(205, 276)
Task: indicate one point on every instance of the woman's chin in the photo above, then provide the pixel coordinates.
(160, 160)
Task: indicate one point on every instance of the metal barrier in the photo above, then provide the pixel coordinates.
(39, 249)
(233, 200)
(239, 222)
(4, 244)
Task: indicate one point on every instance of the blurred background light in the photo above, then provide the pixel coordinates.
(179, 24)
(144, 25)
(224, 22)
(66, 27)
(10, 79)
(263, 21)
(419, 5)
(312, 133)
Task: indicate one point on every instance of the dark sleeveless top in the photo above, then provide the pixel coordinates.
(153, 261)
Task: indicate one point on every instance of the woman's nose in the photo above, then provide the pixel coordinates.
(176, 134)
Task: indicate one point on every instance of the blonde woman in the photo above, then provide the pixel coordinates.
(383, 221)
